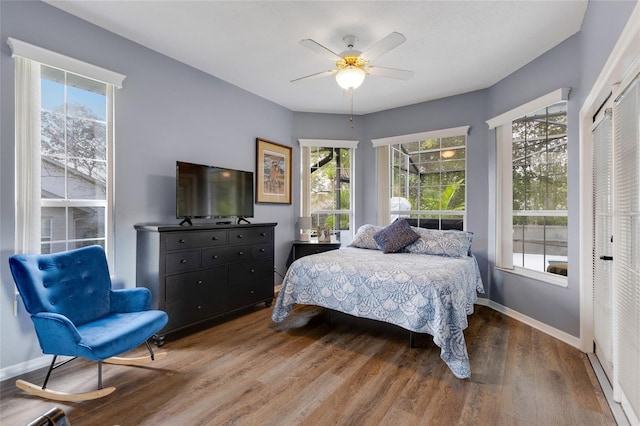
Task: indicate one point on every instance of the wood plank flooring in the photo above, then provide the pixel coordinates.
(246, 372)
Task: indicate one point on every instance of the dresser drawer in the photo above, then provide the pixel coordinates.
(262, 251)
(253, 292)
(241, 254)
(188, 240)
(182, 261)
(204, 284)
(192, 309)
(218, 256)
(250, 271)
(250, 235)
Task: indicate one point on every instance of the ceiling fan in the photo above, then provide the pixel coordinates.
(352, 65)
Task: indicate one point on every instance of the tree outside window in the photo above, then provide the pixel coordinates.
(428, 181)
(539, 172)
(74, 168)
(330, 187)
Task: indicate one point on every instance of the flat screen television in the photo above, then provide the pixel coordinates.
(212, 192)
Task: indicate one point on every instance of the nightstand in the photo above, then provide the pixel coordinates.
(305, 248)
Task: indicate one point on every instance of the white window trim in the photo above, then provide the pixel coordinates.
(305, 174)
(443, 133)
(531, 106)
(57, 60)
(545, 277)
(329, 143)
(27, 118)
(504, 194)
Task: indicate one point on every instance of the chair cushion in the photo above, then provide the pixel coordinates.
(74, 283)
(116, 334)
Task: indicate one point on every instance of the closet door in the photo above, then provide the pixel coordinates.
(626, 234)
(602, 237)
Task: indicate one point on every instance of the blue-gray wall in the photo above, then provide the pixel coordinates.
(166, 111)
(169, 111)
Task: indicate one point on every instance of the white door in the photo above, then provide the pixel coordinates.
(626, 237)
(603, 238)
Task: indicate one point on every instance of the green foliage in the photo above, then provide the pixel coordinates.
(443, 200)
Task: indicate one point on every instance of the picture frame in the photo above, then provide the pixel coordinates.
(273, 172)
(324, 236)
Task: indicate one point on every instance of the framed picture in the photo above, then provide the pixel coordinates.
(323, 235)
(273, 172)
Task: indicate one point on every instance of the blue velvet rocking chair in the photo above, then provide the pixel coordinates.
(76, 313)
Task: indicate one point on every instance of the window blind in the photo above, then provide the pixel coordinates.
(626, 317)
(602, 232)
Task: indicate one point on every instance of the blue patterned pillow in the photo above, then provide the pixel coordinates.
(441, 243)
(364, 237)
(395, 237)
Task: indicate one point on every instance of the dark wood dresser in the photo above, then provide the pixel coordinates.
(197, 273)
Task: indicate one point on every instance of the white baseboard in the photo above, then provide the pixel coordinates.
(547, 329)
(24, 367)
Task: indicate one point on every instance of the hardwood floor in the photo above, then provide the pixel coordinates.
(247, 372)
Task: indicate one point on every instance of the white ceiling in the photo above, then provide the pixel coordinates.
(453, 46)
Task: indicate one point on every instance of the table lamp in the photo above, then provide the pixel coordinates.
(304, 223)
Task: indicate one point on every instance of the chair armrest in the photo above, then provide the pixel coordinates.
(130, 300)
(55, 331)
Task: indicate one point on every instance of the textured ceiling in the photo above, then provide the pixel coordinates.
(453, 46)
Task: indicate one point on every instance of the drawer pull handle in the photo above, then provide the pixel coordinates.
(239, 235)
(199, 281)
(252, 292)
(263, 234)
(261, 250)
(182, 241)
(253, 270)
(215, 238)
(199, 306)
(183, 261)
(240, 253)
(214, 257)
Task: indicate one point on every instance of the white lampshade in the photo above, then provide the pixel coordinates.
(304, 222)
(350, 77)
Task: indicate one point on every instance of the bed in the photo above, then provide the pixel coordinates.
(413, 289)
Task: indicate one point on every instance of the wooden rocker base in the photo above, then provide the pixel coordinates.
(62, 396)
(85, 396)
(141, 360)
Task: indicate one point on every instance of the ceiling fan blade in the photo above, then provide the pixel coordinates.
(320, 49)
(390, 73)
(316, 75)
(383, 46)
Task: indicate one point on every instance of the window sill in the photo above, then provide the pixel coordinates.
(544, 277)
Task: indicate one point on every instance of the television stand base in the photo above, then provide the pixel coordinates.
(186, 221)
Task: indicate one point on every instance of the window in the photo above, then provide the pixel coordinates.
(64, 140)
(539, 173)
(74, 170)
(532, 188)
(327, 182)
(426, 175)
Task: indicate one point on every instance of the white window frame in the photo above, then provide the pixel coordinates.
(305, 176)
(384, 173)
(504, 191)
(29, 58)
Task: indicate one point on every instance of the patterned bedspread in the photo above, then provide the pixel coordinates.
(419, 292)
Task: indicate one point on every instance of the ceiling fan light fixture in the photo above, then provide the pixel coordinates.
(350, 77)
